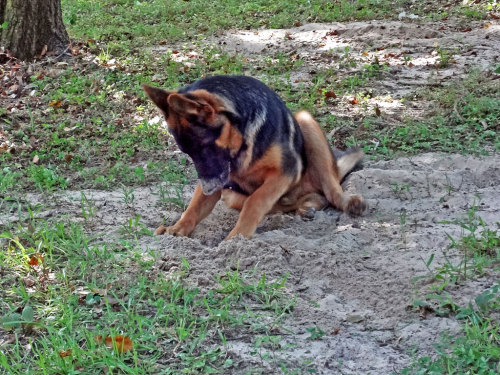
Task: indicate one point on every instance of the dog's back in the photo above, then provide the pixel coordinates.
(260, 116)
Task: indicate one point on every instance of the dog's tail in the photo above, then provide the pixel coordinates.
(347, 160)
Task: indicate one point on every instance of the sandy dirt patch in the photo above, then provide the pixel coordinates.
(415, 54)
(352, 277)
(410, 48)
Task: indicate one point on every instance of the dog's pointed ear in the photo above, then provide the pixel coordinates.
(158, 96)
(191, 109)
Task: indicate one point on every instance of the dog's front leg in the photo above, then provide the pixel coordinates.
(200, 206)
(258, 204)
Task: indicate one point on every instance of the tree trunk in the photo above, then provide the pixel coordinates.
(32, 25)
(3, 4)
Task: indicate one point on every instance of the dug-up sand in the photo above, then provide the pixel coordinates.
(352, 277)
(358, 271)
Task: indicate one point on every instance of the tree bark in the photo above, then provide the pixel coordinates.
(32, 25)
(3, 4)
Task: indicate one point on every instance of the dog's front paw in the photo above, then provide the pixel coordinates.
(235, 232)
(174, 230)
(160, 230)
(356, 206)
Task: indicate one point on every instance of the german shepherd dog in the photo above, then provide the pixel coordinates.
(249, 149)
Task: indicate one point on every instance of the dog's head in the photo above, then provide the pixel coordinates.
(199, 122)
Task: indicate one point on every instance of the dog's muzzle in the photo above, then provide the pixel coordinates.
(211, 185)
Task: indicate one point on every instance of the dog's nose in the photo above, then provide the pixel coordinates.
(210, 186)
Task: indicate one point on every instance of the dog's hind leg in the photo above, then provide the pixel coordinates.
(322, 168)
(234, 199)
(305, 205)
(310, 203)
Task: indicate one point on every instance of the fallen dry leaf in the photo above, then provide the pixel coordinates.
(36, 159)
(55, 103)
(393, 55)
(121, 343)
(35, 259)
(330, 94)
(28, 282)
(100, 291)
(64, 353)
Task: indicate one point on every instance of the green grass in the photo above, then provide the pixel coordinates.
(476, 349)
(464, 119)
(46, 178)
(479, 247)
(8, 180)
(114, 22)
(80, 290)
(112, 25)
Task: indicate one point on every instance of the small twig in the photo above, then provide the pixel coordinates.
(49, 58)
(332, 133)
(285, 250)
(63, 52)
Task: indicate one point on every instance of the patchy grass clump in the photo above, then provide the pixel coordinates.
(72, 305)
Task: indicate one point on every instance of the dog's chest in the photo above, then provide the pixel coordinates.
(247, 182)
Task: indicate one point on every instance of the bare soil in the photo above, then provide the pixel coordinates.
(412, 49)
(353, 278)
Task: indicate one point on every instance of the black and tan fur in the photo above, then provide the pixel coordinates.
(248, 149)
